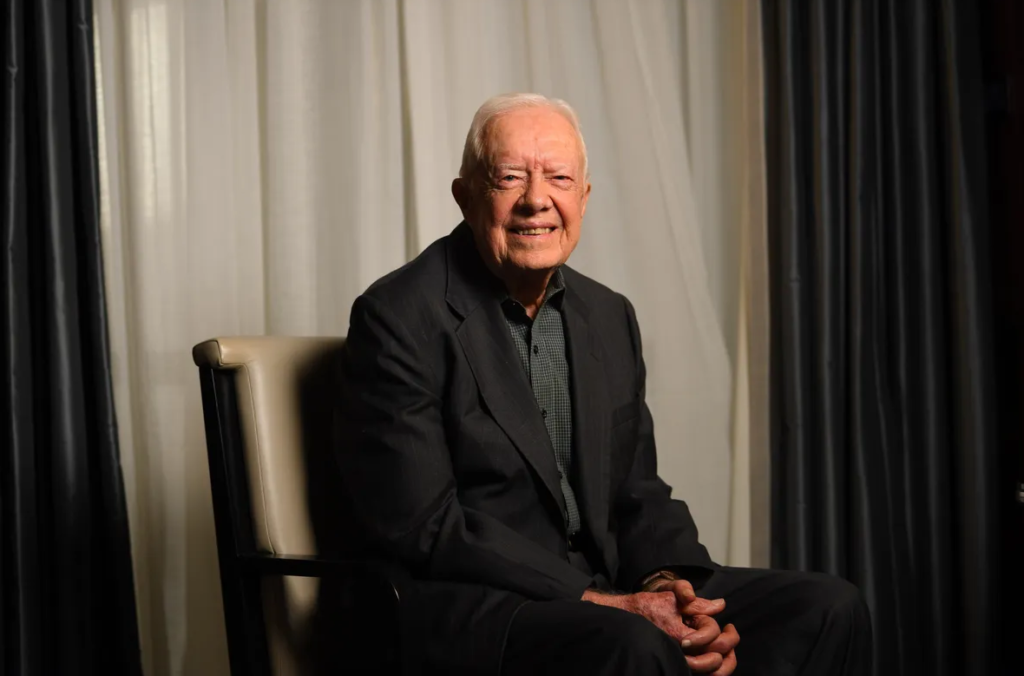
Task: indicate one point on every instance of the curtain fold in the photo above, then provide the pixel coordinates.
(67, 602)
(883, 451)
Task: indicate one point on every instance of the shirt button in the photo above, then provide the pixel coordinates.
(536, 349)
(543, 413)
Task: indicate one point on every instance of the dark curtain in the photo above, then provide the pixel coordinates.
(883, 449)
(66, 592)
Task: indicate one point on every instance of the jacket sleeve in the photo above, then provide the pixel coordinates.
(655, 532)
(396, 467)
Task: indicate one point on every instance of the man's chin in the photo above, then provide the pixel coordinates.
(536, 260)
(534, 265)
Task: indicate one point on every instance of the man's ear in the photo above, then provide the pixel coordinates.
(586, 198)
(460, 191)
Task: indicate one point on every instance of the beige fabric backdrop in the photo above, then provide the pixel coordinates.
(264, 161)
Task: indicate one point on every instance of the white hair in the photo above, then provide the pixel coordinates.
(473, 151)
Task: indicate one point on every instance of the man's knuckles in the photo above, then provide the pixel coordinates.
(683, 590)
(726, 641)
(704, 663)
(705, 630)
(701, 606)
(728, 665)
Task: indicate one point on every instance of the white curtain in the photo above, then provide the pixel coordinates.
(264, 161)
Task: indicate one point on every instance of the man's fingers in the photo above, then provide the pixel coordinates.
(683, 591)
(704, 664)
(705, 630)
(702, 607)
(726, 641)
(690, 604)
(728, 665)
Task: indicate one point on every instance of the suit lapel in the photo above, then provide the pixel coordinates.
(589, 414)
(475, 294)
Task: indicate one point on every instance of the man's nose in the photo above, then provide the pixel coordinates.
(536, 196)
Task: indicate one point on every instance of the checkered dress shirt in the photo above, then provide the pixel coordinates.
(541, 347)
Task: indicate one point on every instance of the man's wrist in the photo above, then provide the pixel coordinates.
(657, 579)
(605, 598)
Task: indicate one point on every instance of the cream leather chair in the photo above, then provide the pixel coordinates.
(290, 597)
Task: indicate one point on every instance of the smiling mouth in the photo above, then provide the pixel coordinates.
(532, 232)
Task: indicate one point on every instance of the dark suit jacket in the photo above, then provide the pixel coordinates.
(450, 469)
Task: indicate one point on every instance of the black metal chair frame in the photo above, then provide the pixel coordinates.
(242, 567)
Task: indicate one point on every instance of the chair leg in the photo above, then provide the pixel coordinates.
(246, 631)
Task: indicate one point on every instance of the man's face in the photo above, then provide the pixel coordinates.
(526, 203)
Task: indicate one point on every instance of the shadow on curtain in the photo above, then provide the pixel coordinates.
(67, 603)
(883, 449)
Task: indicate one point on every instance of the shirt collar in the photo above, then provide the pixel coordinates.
(556, 286)
(554, 294)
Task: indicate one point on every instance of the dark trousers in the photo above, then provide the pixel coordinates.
(789, 623)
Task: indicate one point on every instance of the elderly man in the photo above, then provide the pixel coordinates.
(499, 447)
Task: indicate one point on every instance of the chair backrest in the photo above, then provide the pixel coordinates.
(268, 403)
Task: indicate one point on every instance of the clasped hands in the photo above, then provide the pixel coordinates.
(673, 607)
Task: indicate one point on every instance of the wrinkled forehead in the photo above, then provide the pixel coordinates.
(529, 136)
